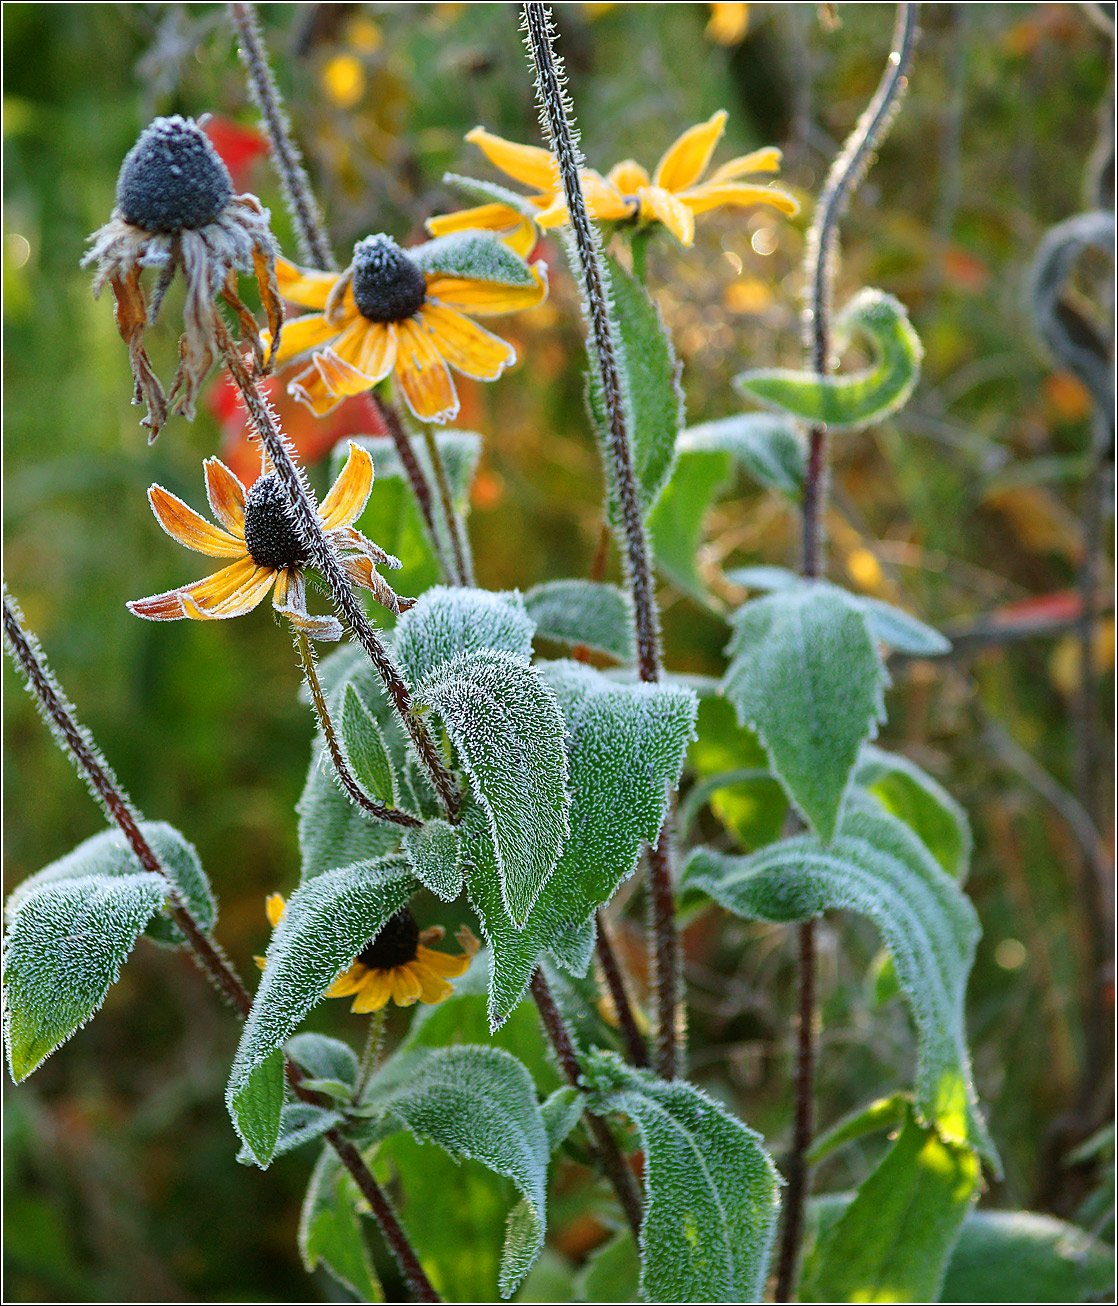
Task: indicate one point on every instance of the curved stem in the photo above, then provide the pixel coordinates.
(619, 993)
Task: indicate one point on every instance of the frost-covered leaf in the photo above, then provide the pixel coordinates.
(256, 1106)
(449, 621)
(366, 749)
(922, 803)
(574, 948)
(326, 923)
(479, 1103)
(330, 1229)
(806, 675)
(766, 579)
(894, 1240)
(474, 255)
(625, 748)
(767, 448)
(650, 385)
(900, 630)
(333, 830)
(508, 731)
(876, 866)
(676, 520)
(489, 192)
(711, 1189)
(857, 399)
(64, 947)
(584, 612)
(300, 1122)
(109, 854)
(323, 1057)
(435, 858)
(560, 1114)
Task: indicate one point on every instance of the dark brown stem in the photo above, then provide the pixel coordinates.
(554, 114)
(349, 782)
(609, 1154)
(601, 553)
(618, 991)
(314, 247)
(461, 564)
(308, 525)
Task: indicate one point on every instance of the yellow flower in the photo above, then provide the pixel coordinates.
(728, 23)
(260, 536)
(404, 311)
(396, 965)
(673, 194)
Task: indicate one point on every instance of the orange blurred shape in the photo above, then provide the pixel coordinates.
(1040, 522)
(1066, 398)
(965, 270)
(238, 146)
(749, 295)
(728, 23)
(488, 489)
(1062, 605)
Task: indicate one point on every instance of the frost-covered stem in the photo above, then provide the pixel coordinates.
(314, 247)
(370, 1053)
(615, 982)
(348, 781)
(609, 1154)
(461, 565)
(555, 116)
(842, 180)
(308, 526)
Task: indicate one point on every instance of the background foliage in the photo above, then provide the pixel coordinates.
(964, 504)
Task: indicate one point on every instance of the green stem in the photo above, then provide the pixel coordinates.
(370, 1053)
(461, 561)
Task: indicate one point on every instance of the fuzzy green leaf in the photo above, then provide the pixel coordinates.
(256, 1106)
(858, 399)
(895, 1238)
(806, 675)
(300, 1122)
(922, 803)
(900, 630)
(330, 1229)
(711, 1189)
(63, 951)
(474, 255)
(560, 1114)
(488, 192)
(323, 1057)
(872, 1119)
(333, 830)
(576, 612)
(435, 858)
(676, 520)
(768, 449)
(877, 867)
(508, 731)
(449, 621)
(365, 748)
(327, 921)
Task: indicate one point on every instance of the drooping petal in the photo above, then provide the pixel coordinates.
(406, 987)
(186, 527)
(764, 160)
(441, 963)
(424, 377)
(299, 335)
(488, 298)
(170, 606)
(469, 348)
(348, 982)
(686, 160)
(432, 988)
(350, 492)
(362, 571)
(303, 286)
(374, 992)
(243, 598)
(525, 163)
(226, 495)
(310, 388)
(290, 601)
(704, 198)
(676, 216)
(628, 177)
(368, 347)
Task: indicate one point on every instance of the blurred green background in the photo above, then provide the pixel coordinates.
(119, 1170)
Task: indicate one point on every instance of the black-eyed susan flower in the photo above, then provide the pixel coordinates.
(405, 312)
(257, 532)
(175, 209)
(397, 965)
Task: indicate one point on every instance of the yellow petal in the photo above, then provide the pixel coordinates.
(300, 334)
(348, 982)
(658, 203)
(350, 492)
(513, 227)
(686, 160)
(405, 986)
(370, 347)
(704, 198)
(172, 605)
(442, 964)
(242, 599)
(432, 988)
(604, 199)
(628, 177)
(185, 526)
(302, 286)
(374, 994)
(226, 495)
(487, 298)
(274, 905)
(260, 962)
(424, 377)
(766, 160)
(525, 163)
(310, 388)
(465, 345)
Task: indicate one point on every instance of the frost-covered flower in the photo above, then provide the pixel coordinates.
(396, 965)
(175, 209)
(259, 534)
(404, 311)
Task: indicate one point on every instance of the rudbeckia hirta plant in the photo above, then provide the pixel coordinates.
(404, 312)
(175, 209)
(258, 534)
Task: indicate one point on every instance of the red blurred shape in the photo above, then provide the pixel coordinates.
(1063, 605)
(238, 146)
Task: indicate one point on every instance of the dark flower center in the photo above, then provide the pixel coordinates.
(395, 945)
(387, 285)
(172, 178)
(270, 535)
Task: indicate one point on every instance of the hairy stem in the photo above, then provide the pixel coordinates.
(609, 1154)
(555, 116)
(619, 993)
(370, 1053)
(308, 526)
(461, 563)
(314, 247)
(349, 782)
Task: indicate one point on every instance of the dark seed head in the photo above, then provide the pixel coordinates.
(269, 532)
(395, 945)
(172, 178)
(387, 285)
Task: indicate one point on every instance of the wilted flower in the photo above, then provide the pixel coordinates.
(261, 536)
(175, 208)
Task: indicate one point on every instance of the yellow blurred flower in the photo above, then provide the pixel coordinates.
(343, 80)
(728, 23)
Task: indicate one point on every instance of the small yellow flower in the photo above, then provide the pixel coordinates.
(260, 536)
(396, 965)
(404, 311)
(728, 23)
